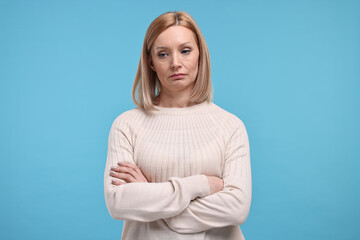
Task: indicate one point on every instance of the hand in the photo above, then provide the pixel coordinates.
(128, 172)
(216, 184)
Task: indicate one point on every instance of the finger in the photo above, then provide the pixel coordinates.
(123, 176)
(140, 175)
(128, 170)
(115, 169)
(134, 170)
(117, 182)
(139, 172)
(131, 169)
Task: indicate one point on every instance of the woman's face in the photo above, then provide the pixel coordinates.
(174, 57)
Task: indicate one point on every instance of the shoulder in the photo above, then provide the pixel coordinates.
(230, 119)
(233, 127)
(128, 118)
(126, 125)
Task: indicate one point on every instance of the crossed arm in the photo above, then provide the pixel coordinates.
(130, 173)
(187, 205)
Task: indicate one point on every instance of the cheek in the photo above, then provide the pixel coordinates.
(194, 65)
(160, 68)
(195, 61)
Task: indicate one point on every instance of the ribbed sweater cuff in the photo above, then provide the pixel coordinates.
(196, 186)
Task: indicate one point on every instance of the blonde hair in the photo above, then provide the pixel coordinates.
(147, 85)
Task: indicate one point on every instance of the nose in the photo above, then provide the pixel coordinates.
(175, 62)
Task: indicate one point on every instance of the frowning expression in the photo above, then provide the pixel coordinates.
(174, 57)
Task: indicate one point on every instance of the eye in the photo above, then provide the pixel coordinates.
(186, 51)
(162, 54)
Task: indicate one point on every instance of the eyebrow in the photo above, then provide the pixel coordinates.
(166, 47)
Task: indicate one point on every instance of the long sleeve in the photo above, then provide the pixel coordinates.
(230, 206)
(145, 202)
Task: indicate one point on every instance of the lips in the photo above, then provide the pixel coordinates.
(178, 75)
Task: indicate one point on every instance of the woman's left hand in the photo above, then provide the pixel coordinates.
(128, 172)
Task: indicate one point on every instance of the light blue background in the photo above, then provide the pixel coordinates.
(288, 69)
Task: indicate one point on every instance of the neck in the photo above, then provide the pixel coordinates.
(173, 100)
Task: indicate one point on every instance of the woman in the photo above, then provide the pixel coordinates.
(178, 166)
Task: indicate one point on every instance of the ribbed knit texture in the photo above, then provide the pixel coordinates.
(175, 148)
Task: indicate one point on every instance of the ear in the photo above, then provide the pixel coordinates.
(150, 63)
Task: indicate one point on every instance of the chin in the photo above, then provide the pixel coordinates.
(182, 85)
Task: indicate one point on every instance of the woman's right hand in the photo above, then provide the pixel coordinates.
(216, 184)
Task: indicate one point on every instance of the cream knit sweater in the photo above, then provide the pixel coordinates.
(175, 148)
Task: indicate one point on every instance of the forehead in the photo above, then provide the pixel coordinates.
(175, 35)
